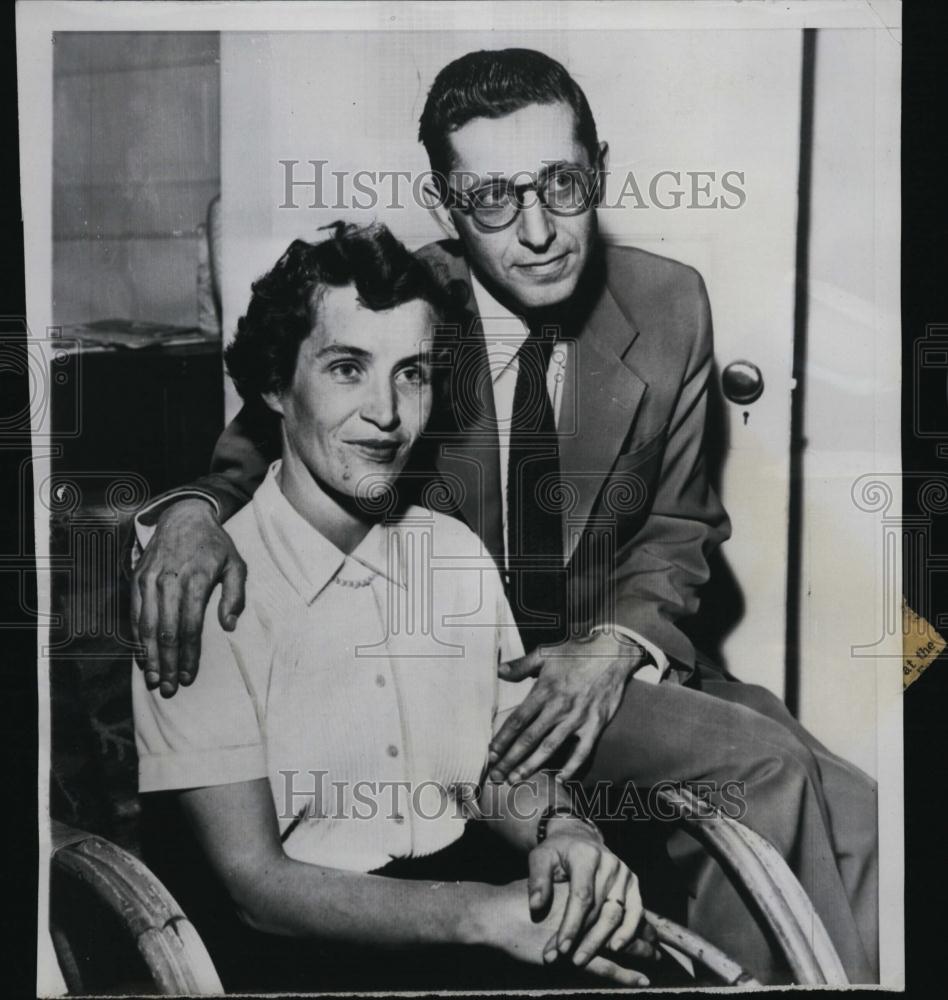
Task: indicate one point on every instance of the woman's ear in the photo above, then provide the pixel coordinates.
(434, 202)
(274, 401)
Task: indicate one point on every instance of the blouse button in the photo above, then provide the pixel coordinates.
(380, 681)
(392, 750)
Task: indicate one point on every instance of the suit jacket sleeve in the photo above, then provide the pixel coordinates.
(660, 570)
(242, 455)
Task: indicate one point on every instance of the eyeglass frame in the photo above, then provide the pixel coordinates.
(463, 202)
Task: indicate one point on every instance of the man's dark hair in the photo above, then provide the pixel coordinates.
(284, 305)
(492, 83)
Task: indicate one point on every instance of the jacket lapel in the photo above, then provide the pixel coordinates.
(600, 400)
(467, 449)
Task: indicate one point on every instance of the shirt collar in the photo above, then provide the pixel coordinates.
(504, 331)
(304, 555)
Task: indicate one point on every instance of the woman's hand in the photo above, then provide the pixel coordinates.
(580, 901)
(507, 922)
(603, 907)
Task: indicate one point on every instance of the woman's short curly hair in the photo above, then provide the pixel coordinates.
(284, 305)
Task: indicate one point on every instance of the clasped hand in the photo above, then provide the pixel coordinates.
(584, 906)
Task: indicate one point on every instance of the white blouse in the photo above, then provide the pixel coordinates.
(364, 687)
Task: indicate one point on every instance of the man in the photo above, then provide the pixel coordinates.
(574, 447)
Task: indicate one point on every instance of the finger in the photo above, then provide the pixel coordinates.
(169, 598)
(531, 740)
(194, 600)
(548, 746)
(525, 666)
(583, 865)
(632, 917)
(148, 628)
(609, 918)
(233, 593)
(606, 913)
(134, 614)
(586, 740)
(521, 716)
(612, 879)
(540, 881)
(607, 969)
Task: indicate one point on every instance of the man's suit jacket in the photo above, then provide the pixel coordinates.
(640, 517)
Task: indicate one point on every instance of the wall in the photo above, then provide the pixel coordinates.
(136, 161)
(853, 378)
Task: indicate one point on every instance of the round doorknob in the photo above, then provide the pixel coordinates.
(742, 382)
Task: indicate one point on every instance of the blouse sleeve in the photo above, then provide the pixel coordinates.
(208, 733)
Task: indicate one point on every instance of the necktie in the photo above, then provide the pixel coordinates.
(535, 578)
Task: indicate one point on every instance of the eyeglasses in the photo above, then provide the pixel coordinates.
(495, 205)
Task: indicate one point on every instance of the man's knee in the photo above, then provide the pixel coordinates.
(777, 774)
(761, 700)
(780, 764)
(766, 747)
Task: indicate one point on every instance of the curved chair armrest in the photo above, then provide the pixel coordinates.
(701, 951)
(771, 884)
(798, 901)
(167, 941)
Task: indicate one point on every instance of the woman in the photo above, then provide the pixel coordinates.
(333, 748)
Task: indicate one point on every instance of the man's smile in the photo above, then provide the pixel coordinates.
(549, 267)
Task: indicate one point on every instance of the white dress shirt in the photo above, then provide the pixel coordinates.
(364, 687)
(504, 334)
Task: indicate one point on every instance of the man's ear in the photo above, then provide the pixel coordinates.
(434, 202)
(602, 165)
(274, 401)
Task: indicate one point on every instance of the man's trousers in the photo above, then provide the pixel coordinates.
(818, 811)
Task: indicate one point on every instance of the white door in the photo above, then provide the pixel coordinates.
(700, 104)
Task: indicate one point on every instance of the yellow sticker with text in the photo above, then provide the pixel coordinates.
(921, 645)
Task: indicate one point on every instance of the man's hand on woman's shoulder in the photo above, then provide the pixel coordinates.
(188, 555)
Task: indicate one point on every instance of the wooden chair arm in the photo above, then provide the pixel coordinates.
(771, 884)
(700, 951)
(171, 948)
